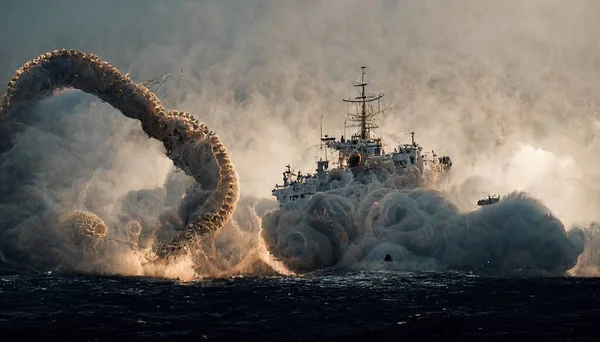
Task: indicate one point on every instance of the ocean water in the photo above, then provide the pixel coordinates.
(328, 306)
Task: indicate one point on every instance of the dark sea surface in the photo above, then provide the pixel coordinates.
(358, 305)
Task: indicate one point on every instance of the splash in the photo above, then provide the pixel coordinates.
(358, 221)
(419, 229)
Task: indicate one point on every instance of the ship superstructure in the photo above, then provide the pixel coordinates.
(361, 151)
(362, 144)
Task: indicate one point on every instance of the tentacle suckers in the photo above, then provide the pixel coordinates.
(184, 137)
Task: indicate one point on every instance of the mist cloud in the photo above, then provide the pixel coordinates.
(507, 89)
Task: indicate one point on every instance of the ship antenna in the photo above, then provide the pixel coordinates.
(321, 145)
(321, 127)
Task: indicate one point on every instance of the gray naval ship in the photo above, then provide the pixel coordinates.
(361, 153)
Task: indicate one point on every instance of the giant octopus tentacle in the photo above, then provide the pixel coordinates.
(183, 136)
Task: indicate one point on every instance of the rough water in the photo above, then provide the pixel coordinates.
(361, 305)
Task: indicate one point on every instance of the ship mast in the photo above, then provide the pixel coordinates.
(321, 145)
(363, 117)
